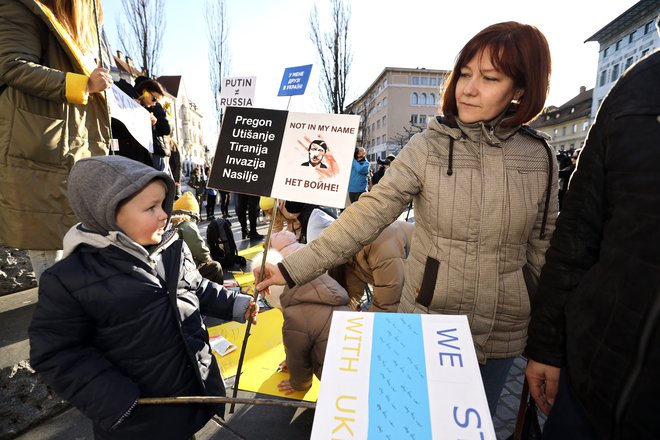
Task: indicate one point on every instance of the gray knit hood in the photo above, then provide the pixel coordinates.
(98, 184)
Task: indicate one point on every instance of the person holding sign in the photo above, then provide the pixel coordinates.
(484, 186)
(52, 113)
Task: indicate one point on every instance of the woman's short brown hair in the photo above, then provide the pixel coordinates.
(519, 51)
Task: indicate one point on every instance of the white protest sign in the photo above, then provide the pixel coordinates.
(136, 119)
(238, 91)
(301, 157)
(391, 375)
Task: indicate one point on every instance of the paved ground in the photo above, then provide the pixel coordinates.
(247, 422)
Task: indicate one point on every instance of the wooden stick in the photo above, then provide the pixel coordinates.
(218, 399)
(256, 296)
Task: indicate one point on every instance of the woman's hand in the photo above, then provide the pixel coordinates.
(272, 276)
(543, 383)
(99, 80)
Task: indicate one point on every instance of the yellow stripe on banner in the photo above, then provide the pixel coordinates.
(263, 355)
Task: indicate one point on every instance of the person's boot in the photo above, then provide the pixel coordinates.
(244, 233)
(255, 236)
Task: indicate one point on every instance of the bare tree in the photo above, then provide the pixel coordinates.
(334, 53)
(216, 25)
(146, 23)
(401, 139)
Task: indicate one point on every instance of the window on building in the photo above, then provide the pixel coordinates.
(616, 46)
(555, 132)
(645, 52)
(615, 72)
(631, 37)
(384, 120)
(648, 27)
(425, 81)
(377, 124)
(605, 52)
(413, 119)
(415, 80)
(422, 99)
(422, 119)
(433, 81)
(414, 99)
(563, 131)
(385, 101)
(585, 125)
(572, 110)
(629, 62)
(574, 128)
(431, 99)
(603, 78)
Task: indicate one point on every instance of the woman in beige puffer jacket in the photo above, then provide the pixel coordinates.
(484, 188)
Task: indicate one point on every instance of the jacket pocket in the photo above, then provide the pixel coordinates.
(37, 138)
(426, 290)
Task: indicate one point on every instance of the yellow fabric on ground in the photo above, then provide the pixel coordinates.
(263, 355)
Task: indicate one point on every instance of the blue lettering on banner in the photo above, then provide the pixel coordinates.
(294, 81)
(466, 424)
(398, 390)
(446, 343)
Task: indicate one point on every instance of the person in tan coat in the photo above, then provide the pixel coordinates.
(52, 113)
(307, 311)
(484, 187)
(379, 264)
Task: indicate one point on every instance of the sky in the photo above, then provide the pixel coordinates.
(267, 36)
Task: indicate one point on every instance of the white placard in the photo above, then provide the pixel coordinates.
(389, 375)
(136, 119)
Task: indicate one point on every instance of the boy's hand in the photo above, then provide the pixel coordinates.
(252, 311)
(283, 368)
(285, 387)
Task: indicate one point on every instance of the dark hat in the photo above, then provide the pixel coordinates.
(383, 161)
(391, 157)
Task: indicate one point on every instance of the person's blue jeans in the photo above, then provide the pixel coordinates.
(567, 419)
(42, 260)
(493, 374)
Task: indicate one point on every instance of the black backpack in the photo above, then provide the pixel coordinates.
(222, 245)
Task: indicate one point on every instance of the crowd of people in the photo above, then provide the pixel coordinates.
(125, 276)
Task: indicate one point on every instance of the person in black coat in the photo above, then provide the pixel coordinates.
(594, 337)
(120, 317)
(150, 94)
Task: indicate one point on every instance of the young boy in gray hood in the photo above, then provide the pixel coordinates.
(120, 317)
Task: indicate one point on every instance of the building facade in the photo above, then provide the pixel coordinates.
(398, 104)
(623, 41)
(567, 124)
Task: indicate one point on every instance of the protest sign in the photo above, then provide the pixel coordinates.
(294, 81)
(303, 157)
(136, 119)
(238, 92)
(391, 375)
